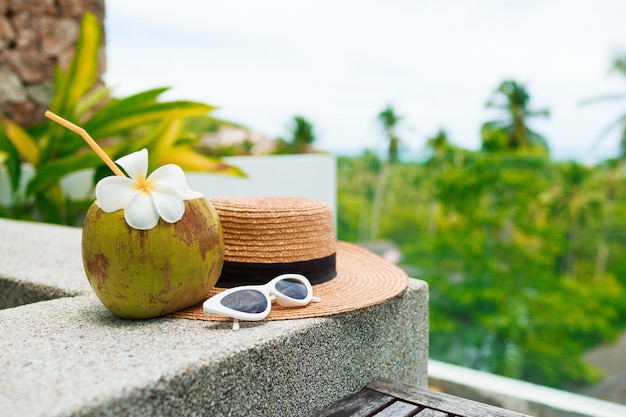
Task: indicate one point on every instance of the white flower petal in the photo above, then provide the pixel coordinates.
(144, 200)
(168, 202)
(114, 193)
(171, 175)
(135, 164)
(140, 212)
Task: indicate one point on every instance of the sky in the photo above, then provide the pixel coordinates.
(339, 63)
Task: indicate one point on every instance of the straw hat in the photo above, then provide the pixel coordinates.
(268, 236)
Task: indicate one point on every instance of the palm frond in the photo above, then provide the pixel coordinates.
(603, 98)
(606, 130)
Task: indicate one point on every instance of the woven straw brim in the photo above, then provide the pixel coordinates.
(363, 279)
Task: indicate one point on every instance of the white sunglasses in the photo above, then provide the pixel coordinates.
(254, 302)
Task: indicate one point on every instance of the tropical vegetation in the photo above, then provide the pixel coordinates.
(120, 125)
(302, 137)
(523, 254)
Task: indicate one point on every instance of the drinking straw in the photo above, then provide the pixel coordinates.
(83, 133)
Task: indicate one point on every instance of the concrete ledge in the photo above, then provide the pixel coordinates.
(39, 262)
(72, 357)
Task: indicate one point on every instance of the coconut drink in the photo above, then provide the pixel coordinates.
(150, 245)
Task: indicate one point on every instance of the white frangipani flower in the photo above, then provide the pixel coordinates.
(144, 198)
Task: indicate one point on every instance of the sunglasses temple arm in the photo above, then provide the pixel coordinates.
(315, 299)
(235, 324)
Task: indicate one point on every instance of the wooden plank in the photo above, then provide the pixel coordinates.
(439, 401)
(429, 412)
(398, 409)
(363, 403)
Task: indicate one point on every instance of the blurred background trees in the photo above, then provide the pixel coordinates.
(511, 133)
(523, 254)
(301, 140)
(619, 66)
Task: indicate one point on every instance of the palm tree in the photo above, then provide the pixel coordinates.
(619, 65)
(303, 135)
(389, 120)
(440, 147)
(511, 133)
(580, 199)
(302, 138)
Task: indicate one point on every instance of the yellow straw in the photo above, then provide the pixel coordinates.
(83, 133)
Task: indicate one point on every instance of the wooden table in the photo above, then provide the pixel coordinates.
(386, 398)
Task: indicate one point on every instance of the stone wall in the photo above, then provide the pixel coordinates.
(35, 36)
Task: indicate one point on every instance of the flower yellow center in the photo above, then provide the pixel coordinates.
(143, 185)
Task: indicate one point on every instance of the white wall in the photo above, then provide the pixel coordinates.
(309, 175)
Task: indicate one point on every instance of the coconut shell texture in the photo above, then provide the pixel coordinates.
(141, 274)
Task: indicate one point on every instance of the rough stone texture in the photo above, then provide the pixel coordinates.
(31, 66)
(11, 86)
(58, 34)
(36, 36)
(72, 357)
(7, 34)
(41, 92)
(34, 257)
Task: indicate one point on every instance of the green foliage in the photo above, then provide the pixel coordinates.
(120, 125)
(390, 121)
(302, 138)
(523, 255)
(512, 133)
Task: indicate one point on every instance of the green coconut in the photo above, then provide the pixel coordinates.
(141, 274)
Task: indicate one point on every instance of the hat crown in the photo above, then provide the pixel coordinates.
(275, 229)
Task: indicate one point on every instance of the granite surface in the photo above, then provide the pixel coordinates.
(70, 356)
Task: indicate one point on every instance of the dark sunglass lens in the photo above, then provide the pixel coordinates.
(292, 288)
(246, 301)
